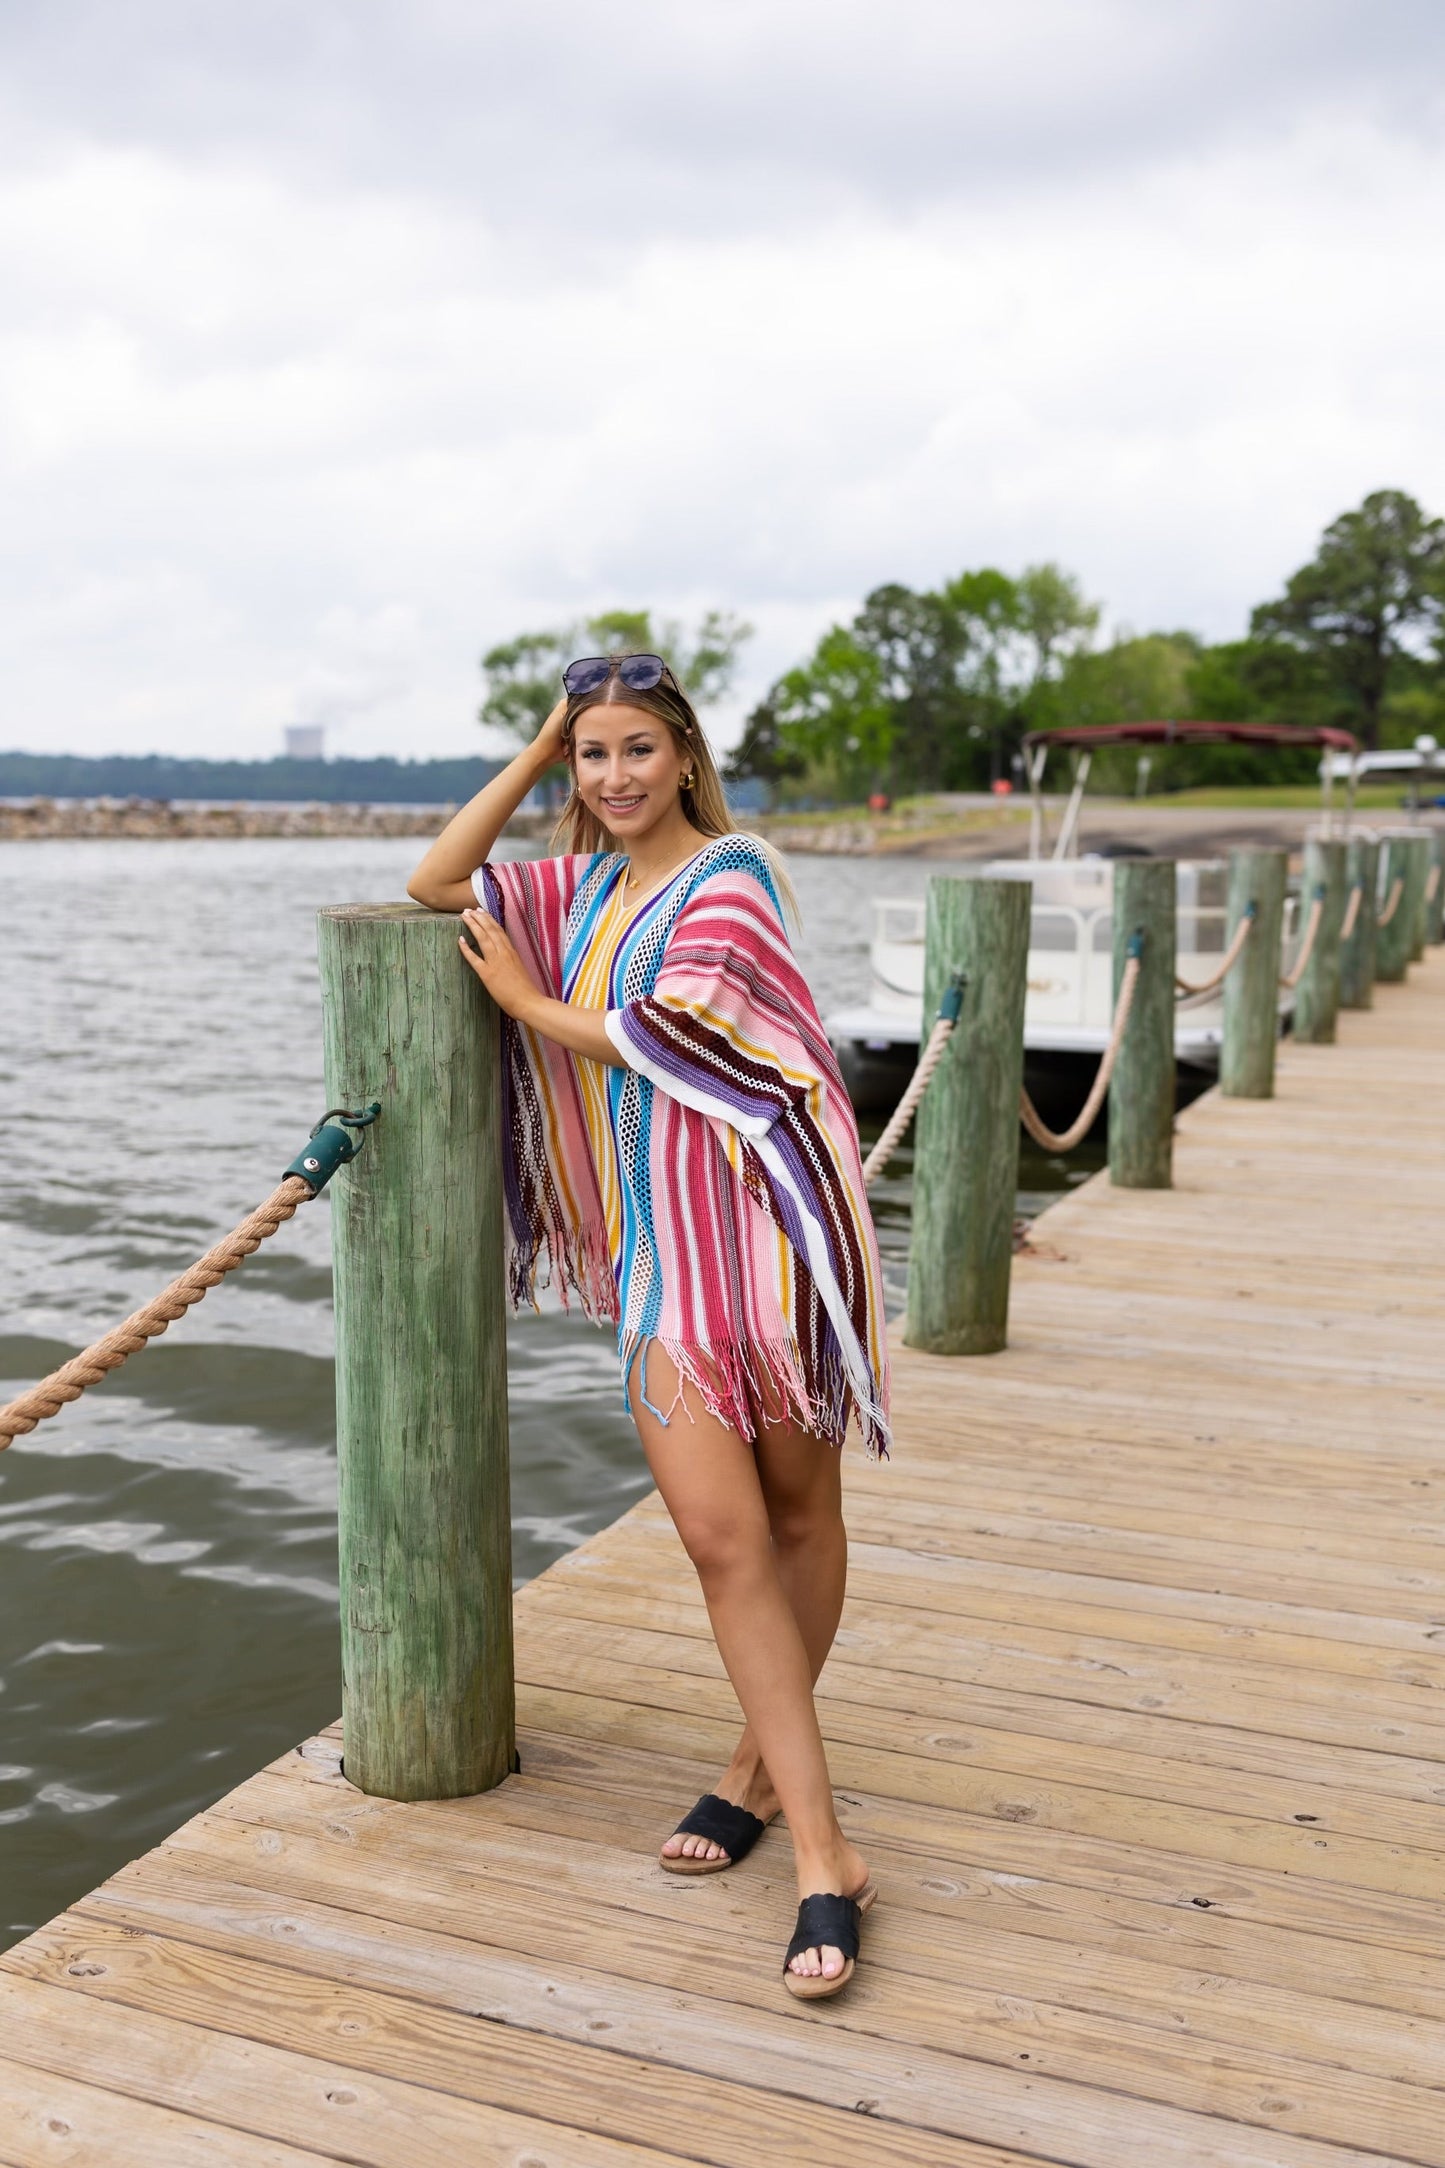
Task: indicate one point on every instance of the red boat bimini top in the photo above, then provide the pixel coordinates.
(1282, 734)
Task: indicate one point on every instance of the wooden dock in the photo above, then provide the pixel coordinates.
(1136, 1711)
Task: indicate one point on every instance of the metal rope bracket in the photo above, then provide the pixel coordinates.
(330, 1146)
(951, 1006)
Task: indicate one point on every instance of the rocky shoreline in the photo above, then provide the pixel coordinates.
(154, 820)
(968, 832)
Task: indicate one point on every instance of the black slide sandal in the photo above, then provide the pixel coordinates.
(734, 1828)
(826, 1921)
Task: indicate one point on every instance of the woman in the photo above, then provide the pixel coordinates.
(680, 1146)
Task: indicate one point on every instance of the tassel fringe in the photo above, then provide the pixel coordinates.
(738, 1384)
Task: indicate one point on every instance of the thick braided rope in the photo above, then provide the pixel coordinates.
(1352, 912)
(1227, 963)
(1064, 1140)
(1397, 890)
(1291, 978)
(71, 1379)
(903, 1113)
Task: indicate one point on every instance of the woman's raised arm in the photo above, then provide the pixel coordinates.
(443, 880)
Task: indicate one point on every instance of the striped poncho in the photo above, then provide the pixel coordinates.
(709, 1194)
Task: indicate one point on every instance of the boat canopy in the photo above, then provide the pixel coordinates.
(1088, 737)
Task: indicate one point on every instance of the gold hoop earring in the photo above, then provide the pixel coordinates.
(685, 782)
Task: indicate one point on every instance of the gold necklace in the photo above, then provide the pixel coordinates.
(630, 880)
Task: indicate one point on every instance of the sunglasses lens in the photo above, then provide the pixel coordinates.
(587, 675)
(641, 672)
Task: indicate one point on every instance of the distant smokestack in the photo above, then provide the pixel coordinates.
(306, 741)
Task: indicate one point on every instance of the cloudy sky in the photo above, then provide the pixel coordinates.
(341, 339)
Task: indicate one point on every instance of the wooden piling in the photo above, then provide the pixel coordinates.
(1141, 1091)
(1417, 886)
(966, 1157)
(1253, 987)
(1317, 997)
(1395, 933)
(1357, 954)
(421, 1380)
(1435, 907)
(1251, 991)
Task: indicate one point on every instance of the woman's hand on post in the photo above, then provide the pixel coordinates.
(497, 964)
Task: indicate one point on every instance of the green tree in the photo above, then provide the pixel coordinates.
(523, 676)
(765, 750)
(833, 717)
(1141, 679)
(921, 645)
(926, 689)
(1370, 600)
(1053, 620)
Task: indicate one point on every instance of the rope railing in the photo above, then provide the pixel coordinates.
(1392, 905)
(1064, 1140)
(1352, 912)
(1227, 962)
(918, 1083)
(1290, 979)
(329, 1147)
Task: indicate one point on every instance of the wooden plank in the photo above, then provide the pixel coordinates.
(615, 1837)
(1125, 1747)
(412, 2039)
(1221, 1837)
(1404, 1715)
(994, 2075)
(452, 1842)
(570, 1779)
(926, 1713)
(344, 2113)
(49, 2120)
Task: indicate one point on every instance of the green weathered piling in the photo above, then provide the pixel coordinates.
(421, 1382)
(965, 1171)
(1317, 997)
(1357, 954)
(1394, 924)
(1417, 893)
(1251, 991)
(1435, 906)
(1141, 1090)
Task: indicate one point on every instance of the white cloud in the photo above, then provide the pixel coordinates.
(469, 321)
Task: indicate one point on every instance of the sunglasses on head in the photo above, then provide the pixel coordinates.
(639, 673)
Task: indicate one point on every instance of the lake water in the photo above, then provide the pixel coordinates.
(168, 1544)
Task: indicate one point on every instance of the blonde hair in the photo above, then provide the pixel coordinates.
(703, 799)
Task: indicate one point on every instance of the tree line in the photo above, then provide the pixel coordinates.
(934, 689)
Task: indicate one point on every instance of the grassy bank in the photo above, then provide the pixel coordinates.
(1282, 797)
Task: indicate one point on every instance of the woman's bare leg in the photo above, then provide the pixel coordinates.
(710, 1482)
(802, 1490)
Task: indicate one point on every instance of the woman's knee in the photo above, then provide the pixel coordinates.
(724, 1546)
(802, 1489)
(805, 1523)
